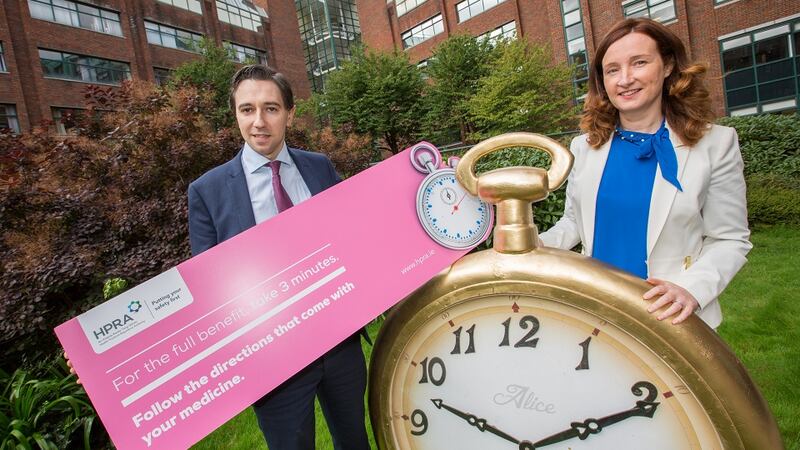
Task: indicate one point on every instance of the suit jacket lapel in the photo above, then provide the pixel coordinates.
(664, 193)
(595, 164)
(239, 195)
(306, 171)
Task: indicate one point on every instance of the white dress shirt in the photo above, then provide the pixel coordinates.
(259, 182)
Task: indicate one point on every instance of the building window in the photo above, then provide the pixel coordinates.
(162, 76)
(8, 118)
(191, 5)
(404, 6)
(83, 68)
(471, 8)
(507, 31)
(762, 70)
(423, 31)
(76, 15)
(241, 13)
(63, 118)
(576, 45)
(660, 10)
(3, 67)
(245, 55)
(172, 37)
(329, 30)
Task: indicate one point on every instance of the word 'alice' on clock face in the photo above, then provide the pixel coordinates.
(449, 214)
(520, 372)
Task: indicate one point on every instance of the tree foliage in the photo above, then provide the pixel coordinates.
(108, 202)
(378, 94)
(213, 72)
(524, 91)
(454, 71)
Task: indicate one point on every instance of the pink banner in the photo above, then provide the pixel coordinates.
(231, 324)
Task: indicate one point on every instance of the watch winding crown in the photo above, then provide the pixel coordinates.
(513, 189)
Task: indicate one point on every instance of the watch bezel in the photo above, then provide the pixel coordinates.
(695, 352)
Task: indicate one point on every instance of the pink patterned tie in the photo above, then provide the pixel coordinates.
(282, 199)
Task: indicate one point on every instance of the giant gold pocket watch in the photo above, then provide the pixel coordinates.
(523, 347)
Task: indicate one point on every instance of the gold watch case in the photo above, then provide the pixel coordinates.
(517, 266)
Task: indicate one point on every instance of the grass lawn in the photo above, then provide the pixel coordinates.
(762, 324)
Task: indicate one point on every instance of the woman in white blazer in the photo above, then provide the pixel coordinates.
(656, 188)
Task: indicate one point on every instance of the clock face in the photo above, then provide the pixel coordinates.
(450, 215)
(522, 372)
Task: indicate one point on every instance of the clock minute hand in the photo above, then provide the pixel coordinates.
(582, 430)
(475, 421)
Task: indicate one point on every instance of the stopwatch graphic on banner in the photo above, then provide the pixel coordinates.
(449, 214)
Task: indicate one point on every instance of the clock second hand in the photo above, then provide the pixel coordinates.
(582, 430)
(455, 207)
(475, 421)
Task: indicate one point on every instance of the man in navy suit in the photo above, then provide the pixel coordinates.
(264, 178)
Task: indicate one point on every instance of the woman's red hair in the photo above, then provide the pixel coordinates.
(685, 99)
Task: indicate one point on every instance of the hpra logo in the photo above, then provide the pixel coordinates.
(133, 307)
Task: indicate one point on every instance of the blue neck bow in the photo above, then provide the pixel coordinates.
(660, 145)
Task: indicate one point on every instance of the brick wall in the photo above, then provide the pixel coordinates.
(34, 95)
(699, 23)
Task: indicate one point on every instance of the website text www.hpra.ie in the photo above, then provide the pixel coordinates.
(417, 262)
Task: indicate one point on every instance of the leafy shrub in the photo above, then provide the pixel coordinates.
(770, 143)
(108, 202)
(349, 151)
(546, 212)
(50, 411)
(113, 287)
(772, 199)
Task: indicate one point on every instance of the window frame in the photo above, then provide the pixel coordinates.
(431, 23)
(158, 75)
(75, 14)
(164, 30)
(258, 55)
(749, 39)
(3, 66)
(91, 69)
(11, 119)
(253, 16)
(579, 84)
(648, 8)
(188, 6)
(498, 32)
(468, 6)
(406, 9)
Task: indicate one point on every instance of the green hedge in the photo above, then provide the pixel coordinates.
(770, 143)
(770, 146)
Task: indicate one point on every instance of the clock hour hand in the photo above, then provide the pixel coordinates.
(582, 430)
(475, 421)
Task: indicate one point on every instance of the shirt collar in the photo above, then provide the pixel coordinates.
(252, 160)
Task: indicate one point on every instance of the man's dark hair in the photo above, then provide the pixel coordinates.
(262, 72)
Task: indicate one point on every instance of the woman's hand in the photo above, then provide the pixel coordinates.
(680, 300)
(71, 369)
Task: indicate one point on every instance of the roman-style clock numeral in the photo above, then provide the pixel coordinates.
(470, 345)
(428, 372)
(584, 365)
(528, 340)
(419, 421)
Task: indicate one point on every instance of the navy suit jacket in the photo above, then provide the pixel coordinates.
(219, 202)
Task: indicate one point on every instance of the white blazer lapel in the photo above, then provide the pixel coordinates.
(664, 193)
(595, 164)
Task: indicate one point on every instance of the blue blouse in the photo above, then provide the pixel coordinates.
(623, 202)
